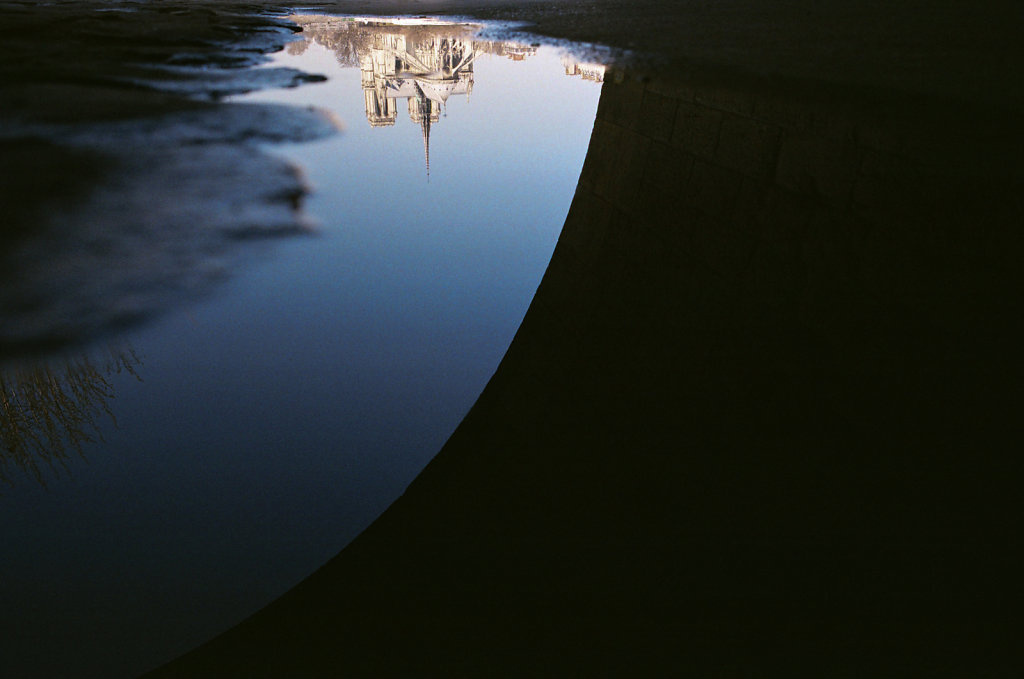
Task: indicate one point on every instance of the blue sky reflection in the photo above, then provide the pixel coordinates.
(279, 415)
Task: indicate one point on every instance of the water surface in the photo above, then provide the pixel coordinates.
(259, 429)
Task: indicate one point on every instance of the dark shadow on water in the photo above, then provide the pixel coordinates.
(124, 191)
(761, 414)
(30, 182)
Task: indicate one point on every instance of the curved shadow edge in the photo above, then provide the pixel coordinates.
(759, 413)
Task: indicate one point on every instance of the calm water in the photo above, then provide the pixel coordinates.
(260, 429)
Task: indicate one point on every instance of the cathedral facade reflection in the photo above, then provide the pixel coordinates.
(424, 70)
(424, 63)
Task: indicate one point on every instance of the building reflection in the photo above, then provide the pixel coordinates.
(585, 70)
(424, 63)
(49, 410)
(424, 70)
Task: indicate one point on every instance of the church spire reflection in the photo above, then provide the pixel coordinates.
(424, 68)
(424, 62)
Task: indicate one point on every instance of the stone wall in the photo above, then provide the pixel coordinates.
(834, 280)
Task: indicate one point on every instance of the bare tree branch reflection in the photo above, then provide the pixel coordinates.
(49, 410)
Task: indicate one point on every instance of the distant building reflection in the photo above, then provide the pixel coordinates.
(50, 409)
(585, 70)
(423, 62)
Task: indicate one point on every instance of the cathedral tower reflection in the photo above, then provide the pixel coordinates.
(425, 70)
(423, 62)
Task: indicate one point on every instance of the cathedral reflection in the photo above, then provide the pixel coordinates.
(48, 410)
(424, 70)
(422, 62)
